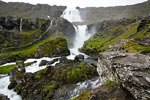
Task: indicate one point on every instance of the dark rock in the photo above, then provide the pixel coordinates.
(91, 61)
(52, 61)
(79, 57)
(131, 70)
(109, 93)
(63, 59)
(43, 63)
(3, 97)
(20, 66)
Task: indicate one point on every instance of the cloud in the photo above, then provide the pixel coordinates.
(82, 3)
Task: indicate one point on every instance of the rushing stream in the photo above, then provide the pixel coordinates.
(73, 15)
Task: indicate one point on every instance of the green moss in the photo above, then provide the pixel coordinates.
(35, 32)
(27, 52)
(131, 46)
(8, 68)
(50, 88)
(110, 83)
(40, 73)
(83, 96)
(101, 43)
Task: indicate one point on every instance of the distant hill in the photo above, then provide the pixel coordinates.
(93, 14)
(26, 10)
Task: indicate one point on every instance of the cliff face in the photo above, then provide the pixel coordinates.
(26, 10)
(93, 14)
(131, 70)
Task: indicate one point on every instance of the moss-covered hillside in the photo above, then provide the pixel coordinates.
(127, 35)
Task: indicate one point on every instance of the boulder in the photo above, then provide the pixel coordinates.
(63, 59)
(3, 97)
(52, 61)
(131, 70)
(43, 63)
(109, 93)
(79, 57)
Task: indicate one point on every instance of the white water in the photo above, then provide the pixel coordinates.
(21, 25)
(72, 15)
(82, 35)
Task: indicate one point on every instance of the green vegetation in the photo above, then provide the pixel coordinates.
(108, 37)
(50, 88)
(40, 73)
(33, 32)
(30, 51)
(8, 68)
(83, 96)
(110, 83)
(131, 46)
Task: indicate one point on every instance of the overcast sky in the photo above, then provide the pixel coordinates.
(81, 3)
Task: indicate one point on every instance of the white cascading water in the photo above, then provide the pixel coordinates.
(20, 25)
(73, 15)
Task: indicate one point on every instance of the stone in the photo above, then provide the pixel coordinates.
(131, 70)
(3, 97)
(63, 59)
(109, 93)
(79, 57)
(43, 63)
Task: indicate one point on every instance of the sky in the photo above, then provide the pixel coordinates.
(81, 3)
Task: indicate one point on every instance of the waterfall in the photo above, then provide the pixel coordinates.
(73, 15)
(20, 25)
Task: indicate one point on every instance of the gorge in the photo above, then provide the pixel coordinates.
(74, 53)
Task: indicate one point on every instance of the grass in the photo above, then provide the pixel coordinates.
(37, 31)
(8, 68)
(110, 83)
(131, 46)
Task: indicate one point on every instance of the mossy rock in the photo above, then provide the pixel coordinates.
(56, 47)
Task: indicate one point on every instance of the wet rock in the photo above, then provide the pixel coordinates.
(91, 61)
(43, 63)
(79, 57)
(3, 97)
(52, 61)
(131, 70)
(63, 59)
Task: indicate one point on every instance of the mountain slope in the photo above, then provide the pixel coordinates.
(93, 14)
(26, 10)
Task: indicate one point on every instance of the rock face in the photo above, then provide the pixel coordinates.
(131, 70)
(51, 83)
(3, 97)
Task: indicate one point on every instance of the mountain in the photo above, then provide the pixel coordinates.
(93, 14)
(26, 10)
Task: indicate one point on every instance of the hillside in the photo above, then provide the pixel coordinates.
(26, 10)
(93, 14)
